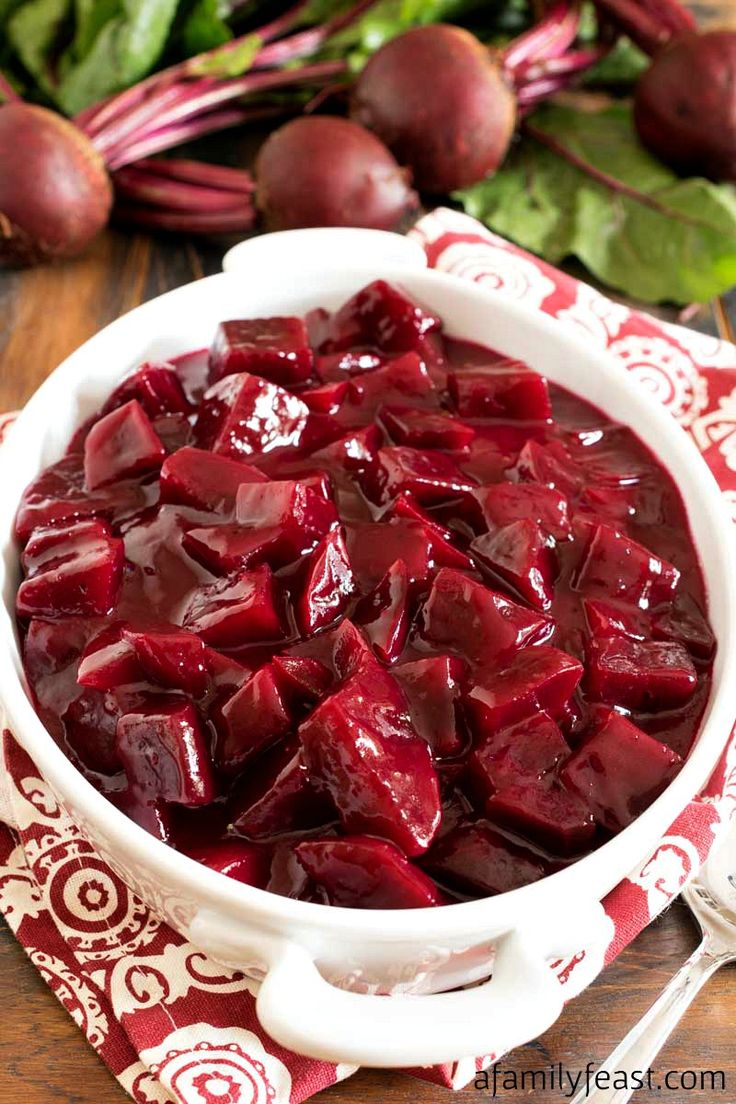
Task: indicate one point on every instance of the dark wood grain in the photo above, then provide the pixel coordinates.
(44, 315)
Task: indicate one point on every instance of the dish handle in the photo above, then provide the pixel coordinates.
(306, 1013)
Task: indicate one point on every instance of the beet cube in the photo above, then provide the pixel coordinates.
(360, 746)
(444, 552)
(339, 367)
(303, 680)
(195, 477)
(507, 389)
(518, 555)
(503, 503)
(245, 415)
(328, 585)
(249, 863)
(165, 752)
(547, 814)
(380, 315)
(223, 549)
(109, 662)
(478, 859)
(640, 674)
(255, 717)
(240, 609)
(350, 650)
(90, 728)
(683, 621)
(402, 379)
(606, 619)
(149, 813)
(157, 388)
(362, 872)
(303, 511)
(615, 567)
(384, 613)
(275, 348)
(326, 399)
(425, 428)
(428, 476)
(551, 464)
(71, 571)
(171, 657)
(539, 678)
(432, 688)
(519, 753)
(374, 547)
(354, 452)
(120, 445)
(481, 624)
(278, 797)
(619, 771)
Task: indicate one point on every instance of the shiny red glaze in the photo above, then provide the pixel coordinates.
(121, 445)
(619, 771)
(518, 573)
(275, 348)
(362, 872)
(249, 863)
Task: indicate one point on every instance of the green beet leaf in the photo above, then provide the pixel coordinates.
(634, 224)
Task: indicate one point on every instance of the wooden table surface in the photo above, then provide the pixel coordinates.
(44, 314)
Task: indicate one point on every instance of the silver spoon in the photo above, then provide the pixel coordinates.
(712, 899)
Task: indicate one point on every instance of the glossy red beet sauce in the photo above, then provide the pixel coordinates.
(362, 614)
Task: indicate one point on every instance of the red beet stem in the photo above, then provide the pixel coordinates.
(550, 37)
(7, 92)
(187, 222)
(199, 172)
(650, 24)
(568, 65)
(136, 184)
(158, 141)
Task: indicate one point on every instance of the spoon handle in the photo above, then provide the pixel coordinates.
(637, 1051)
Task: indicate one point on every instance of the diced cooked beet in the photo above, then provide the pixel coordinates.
(225, 673)
(551, 464)
(518, 555)
(278, 798)
(71, 571)
(164, 751)
(477, 858)
(502, 503)
(303, 680)
(355, 452)
(683, 621)
(338, 367)
(467, 617)
(619, 771)
(350, 650)
(606, 619)
(122, 444)
(109, 662)
(432, 687)
(539, 678)
(445, 552)
(425, 428)
(360, 745)
(546, 813)
(275, 348)
(171, 657)
(196, 477)
(521, 752)
(249, 863)
(255, 717)
(326, 399)
(239, 609)
(328, 584)
(90, 726)
(615, 567)
(302, 510)
(58, 495)
(224, 549)
(507, 389)
(157, 388)
(384, 613)
(245, 415)
(381, 316)
(362, 872)
(148, 812)
(374, 546)
(640, 674)
(429, 477)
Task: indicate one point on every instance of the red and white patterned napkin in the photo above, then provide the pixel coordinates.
(175, 1026)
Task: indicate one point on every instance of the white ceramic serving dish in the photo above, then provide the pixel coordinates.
(324, 968)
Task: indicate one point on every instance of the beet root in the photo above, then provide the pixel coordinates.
(685, 104)
(322, 170)
(58, 196)
(442, 104)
